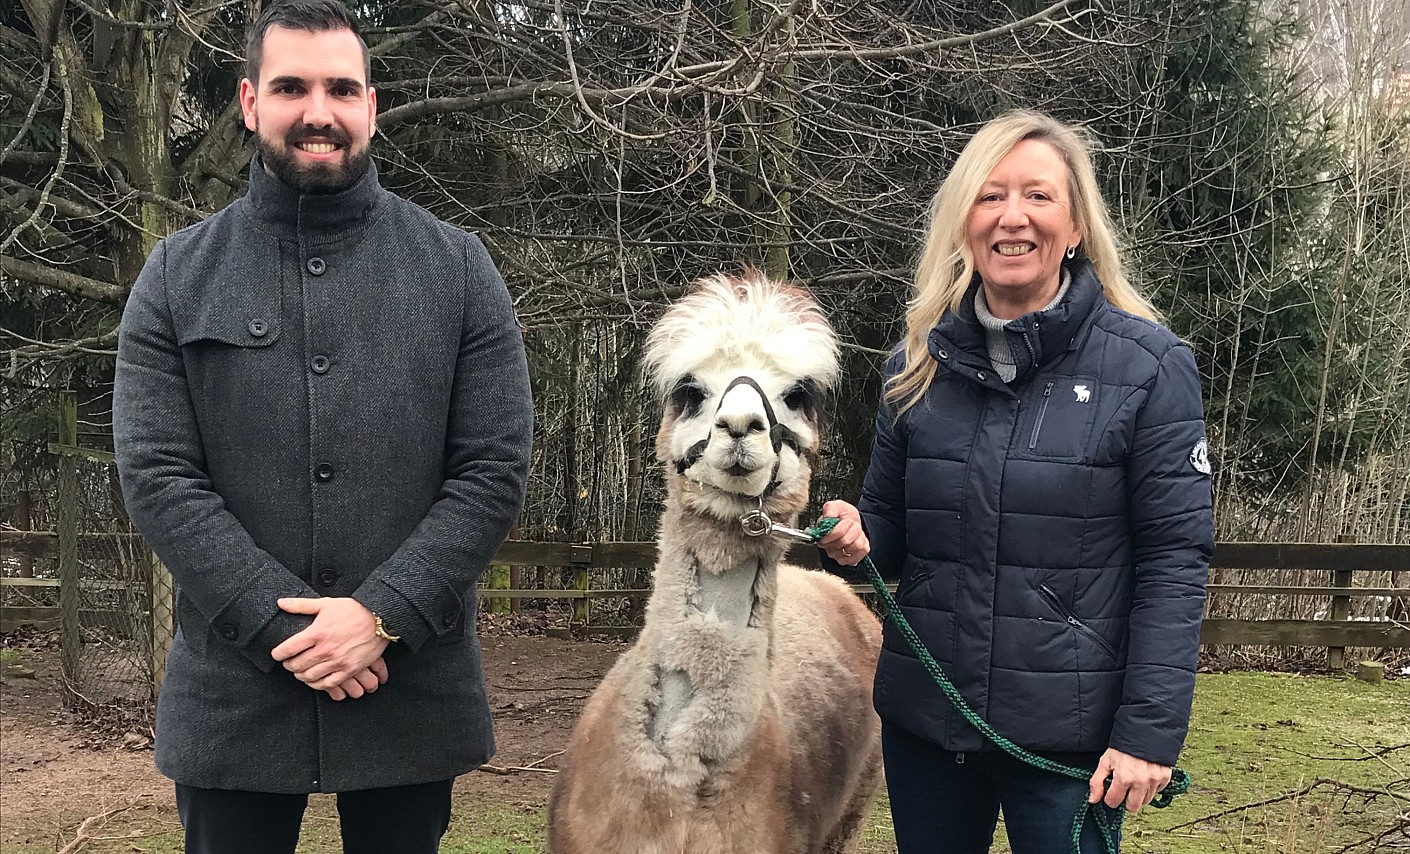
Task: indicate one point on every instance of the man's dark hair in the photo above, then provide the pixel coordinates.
(313, 16)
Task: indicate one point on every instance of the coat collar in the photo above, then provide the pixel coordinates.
(304, 216)
(1036, 339)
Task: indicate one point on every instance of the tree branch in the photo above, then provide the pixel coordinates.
(62, 280)
(33, 111)
(54, 177)
(65, 207)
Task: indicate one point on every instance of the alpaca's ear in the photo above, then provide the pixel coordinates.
(822, 415)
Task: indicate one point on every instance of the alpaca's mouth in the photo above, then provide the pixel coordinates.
(739, 470)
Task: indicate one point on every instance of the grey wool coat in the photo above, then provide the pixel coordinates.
(321, 396)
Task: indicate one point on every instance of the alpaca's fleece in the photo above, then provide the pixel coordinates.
(774, 337)
(741, 720)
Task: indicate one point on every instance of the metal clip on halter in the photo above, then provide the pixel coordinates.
(756, 523)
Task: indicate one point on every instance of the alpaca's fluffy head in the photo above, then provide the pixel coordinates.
(742, 365)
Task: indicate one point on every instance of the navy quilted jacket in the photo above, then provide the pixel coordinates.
(1052, 536)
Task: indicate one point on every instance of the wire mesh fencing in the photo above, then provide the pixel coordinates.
(114, 599)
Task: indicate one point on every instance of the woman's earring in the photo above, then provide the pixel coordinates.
(1071, 252)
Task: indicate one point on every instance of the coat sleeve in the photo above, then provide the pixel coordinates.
(232, 582)
(1172, 529)
(424, 588)
(883, 501)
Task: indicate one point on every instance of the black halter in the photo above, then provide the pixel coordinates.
(779, 435)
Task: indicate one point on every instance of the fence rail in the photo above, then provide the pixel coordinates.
(590, 560)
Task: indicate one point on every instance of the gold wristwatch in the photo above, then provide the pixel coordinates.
(380, 629)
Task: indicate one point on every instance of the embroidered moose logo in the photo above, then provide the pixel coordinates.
(1084, 394)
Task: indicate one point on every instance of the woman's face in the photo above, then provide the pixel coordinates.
(1021, 224)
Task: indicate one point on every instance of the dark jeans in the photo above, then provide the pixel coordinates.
(948, 803)
(410, 819)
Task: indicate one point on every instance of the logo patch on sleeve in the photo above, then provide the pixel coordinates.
(1199, 457)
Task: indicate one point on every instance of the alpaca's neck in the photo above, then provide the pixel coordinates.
(708, 635)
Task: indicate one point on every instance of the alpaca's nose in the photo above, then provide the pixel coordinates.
(740, 424)
(743, 411)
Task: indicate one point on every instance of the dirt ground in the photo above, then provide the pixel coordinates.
(55, 770)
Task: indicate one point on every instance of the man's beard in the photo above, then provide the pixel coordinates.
(314, 177)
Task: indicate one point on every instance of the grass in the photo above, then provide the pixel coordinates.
(1253, 736)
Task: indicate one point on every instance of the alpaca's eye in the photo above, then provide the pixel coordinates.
(799, 396)
(687, 395)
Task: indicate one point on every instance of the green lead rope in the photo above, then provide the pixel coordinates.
(1110, 830)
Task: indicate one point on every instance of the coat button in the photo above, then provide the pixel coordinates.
(228, 631)
(328, 577)
(944, 355)
(981, 375)
(324, 472)
(258, 327)
(316, 266)
(319, 364)
(448, 620)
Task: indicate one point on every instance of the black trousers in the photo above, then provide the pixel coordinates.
(949, 803)
(410, 819)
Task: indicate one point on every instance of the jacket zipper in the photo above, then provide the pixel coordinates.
(1038, 425)
(1072, 620)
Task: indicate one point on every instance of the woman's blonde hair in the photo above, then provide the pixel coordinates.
(946, 268)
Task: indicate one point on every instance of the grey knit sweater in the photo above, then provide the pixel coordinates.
(997, 344)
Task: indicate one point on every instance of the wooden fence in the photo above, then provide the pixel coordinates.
(1341, 563)
(1336, 632)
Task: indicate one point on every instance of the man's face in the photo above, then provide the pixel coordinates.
(312, 112)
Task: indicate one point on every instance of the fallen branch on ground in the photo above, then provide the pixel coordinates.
(510, 770)
(1339, 785)
(87, 826)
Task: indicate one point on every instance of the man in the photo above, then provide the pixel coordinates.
(322, 419)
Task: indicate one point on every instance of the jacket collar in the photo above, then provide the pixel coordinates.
(1036, 339)
(311, 216)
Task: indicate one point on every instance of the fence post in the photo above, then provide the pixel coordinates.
(163, 620)
(66, 527)
(581, 557)
(1341, 609)
(498, 574)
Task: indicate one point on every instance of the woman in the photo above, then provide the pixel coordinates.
(1040, 484)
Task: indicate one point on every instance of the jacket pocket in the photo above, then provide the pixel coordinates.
(914, 573)
(194, 627)
(1058, 412)
(1071, 619)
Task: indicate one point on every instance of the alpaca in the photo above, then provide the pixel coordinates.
(741, 721)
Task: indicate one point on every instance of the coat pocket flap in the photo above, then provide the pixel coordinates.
(243, 328)
(214, 298)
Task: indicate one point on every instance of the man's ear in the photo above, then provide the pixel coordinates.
(371, 111)
(248, 90)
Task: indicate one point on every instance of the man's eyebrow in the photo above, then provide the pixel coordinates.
(348, 82)
(331, 82)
